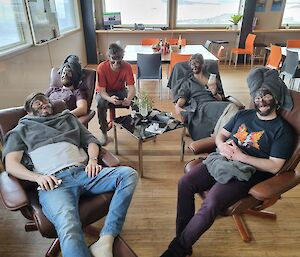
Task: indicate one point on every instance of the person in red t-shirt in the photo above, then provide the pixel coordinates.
(115, 85)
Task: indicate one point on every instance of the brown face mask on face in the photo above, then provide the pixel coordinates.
(264, 102)
(195, 66)
(67, 77)
(41, 107)
(115, 61)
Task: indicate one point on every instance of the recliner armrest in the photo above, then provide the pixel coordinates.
(86, 118)
(204, 145)
(12, 192)
(108, 158)
(275, 186)
(235, 101)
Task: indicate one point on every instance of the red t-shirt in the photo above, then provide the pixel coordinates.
(114, 80)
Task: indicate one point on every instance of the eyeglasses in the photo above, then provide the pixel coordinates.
(266, 97)
(116, 61)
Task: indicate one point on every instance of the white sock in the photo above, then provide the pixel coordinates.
(103, 247)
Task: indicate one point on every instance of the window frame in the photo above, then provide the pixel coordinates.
(23, 28)
(203, 25)
(290, 25)
(167, 24)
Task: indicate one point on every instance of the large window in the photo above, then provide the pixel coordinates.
(148, 12)
(67, 15)
(291, 13)
(203, 13)
(13, 24)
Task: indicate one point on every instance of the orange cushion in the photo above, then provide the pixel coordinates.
(241, 51)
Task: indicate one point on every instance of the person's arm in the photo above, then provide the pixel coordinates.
(179, 105)
(93, 168)
(17, 169)
(112, 99)
(232, 152)
(130, 95)
(272, 164)
(81, 109)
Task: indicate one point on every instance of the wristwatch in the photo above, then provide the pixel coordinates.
(93, 158)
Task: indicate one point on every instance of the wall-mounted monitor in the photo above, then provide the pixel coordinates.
(110, 19)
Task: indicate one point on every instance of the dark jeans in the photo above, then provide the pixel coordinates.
(190, 225)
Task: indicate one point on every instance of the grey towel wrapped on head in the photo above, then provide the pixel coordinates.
(265, 78)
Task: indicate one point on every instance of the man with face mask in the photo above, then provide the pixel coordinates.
(73, 92)
(199, 101)
(58, 153)
(114, 75)
(256, 138)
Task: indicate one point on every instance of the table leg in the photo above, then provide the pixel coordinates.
(115, 139)
(182, 144)
(141, 158)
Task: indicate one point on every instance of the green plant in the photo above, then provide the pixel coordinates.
(236, 18)
(143, 99)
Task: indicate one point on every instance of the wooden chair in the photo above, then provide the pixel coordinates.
(274, 59)
(89, 80)
(249, 49)
(293, 43)
(18, 195)
(149, 41)
(268, 192)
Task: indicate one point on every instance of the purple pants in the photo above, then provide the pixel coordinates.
(190, 225)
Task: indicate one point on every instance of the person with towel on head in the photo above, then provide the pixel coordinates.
(73, 92)
(251, 147)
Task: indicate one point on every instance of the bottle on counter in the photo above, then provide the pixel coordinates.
(179, 42)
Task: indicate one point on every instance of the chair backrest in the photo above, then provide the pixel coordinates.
(174, 41)
(88, 80)
(274, 58)
(249, 44)
(293, 43)
(207, 44)
(220, 53)
(149, 66)
(293, 118)
(290, 64)
(177, 57)
(149, 41)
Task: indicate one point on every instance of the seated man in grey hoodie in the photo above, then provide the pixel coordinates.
(58, 153)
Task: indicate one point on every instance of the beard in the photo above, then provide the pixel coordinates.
(268, 106)
(40, 112)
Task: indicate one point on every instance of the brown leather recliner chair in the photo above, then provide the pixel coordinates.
(89, 80)
(268, 192)
(18, 195)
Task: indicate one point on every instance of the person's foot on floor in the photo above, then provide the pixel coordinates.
(104, 139)
(175, 249)
(103, 247)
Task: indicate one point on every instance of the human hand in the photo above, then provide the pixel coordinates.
(179, 109)
(47, 182)
(126, 102)
(115, 100)
(237, 153)
(226, 149)
(93, 168)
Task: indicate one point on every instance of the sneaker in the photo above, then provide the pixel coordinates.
(104, 139)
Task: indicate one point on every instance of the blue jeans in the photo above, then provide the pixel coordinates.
(61, 205)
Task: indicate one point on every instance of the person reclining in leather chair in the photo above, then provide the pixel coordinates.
(251, 147)
(114, 75)
(58, 153)
(73, 92)
(201, 103)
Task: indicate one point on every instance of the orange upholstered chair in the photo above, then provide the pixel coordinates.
(249, 49)
(174, 41)
(149, 41)
(175, 58)
(220, 54)
(274, 58)
(293, 43)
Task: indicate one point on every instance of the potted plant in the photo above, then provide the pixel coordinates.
(235, 20)
(143, 102)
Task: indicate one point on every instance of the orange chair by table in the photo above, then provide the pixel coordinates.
(149, 41)
(175, 58)
(174, 41)
(274, 58)
(293, 43)
(249, 49)
(220, 54)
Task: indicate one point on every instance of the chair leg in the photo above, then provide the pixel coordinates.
(160, 89)
(261, 214)
(236, 59)
(245, 59)
(112, 115)
(54, 249)
(230, 58)
(241, 226)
